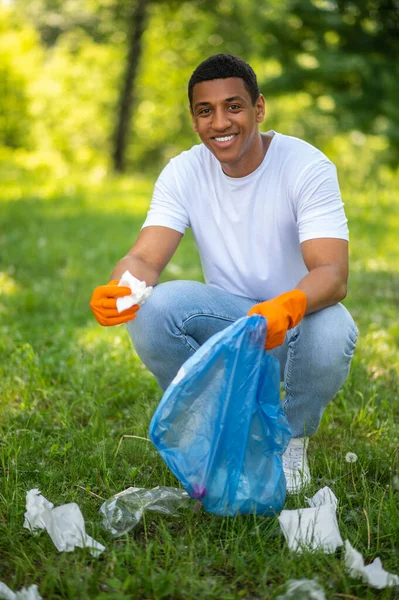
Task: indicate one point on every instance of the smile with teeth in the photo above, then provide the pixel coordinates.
(225, 138)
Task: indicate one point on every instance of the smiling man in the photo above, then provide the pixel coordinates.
(227, 117)
(267, 216)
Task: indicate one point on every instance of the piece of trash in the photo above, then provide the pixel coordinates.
(313, 528)
(303, 589)
(123, 511)
(30, 593)
(64, 524)
(220, 426)
(351, 457)
(322, 497)
(373, 574)
(139, 289)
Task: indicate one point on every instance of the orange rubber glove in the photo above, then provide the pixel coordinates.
(103, 304)
(282, 313)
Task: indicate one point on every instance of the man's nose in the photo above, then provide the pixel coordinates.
(221, 119)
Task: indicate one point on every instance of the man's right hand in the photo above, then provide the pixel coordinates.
(103, 304)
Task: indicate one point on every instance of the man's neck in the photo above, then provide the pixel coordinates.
(265, 140)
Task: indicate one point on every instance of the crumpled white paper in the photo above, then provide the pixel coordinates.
(140, 292)
(30, 593)
(373, 574)
(315, 527)
(64, 524)
(303, 589)
(323, 497)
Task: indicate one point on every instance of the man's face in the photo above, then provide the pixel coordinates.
(227, 123)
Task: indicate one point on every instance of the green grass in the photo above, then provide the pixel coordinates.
(70, 389)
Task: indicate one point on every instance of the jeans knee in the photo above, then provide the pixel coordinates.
(156, 319)
(331, 336)
(342, 332)
(146, 328)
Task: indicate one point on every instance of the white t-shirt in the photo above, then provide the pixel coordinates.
(248, 230)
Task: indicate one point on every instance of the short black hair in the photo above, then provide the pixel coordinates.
(222, 66)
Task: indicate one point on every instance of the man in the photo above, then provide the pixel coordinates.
(268, 220)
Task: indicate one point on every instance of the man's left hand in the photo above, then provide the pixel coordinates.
(282, 313)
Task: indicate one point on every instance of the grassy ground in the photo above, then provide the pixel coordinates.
(70, 389)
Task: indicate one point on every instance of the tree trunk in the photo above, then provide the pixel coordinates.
(127, 94)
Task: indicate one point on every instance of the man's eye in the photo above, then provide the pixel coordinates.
(204, 111)
(234, 107)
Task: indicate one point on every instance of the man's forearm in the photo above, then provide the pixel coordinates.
(323, 287)
(137, 267)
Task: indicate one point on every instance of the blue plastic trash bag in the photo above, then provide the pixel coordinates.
(220, 426)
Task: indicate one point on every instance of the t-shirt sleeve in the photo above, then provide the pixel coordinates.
(167, 208)
(319, 207)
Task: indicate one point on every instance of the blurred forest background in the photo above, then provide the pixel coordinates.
(100, 85)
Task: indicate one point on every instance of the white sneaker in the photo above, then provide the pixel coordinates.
(295, 465)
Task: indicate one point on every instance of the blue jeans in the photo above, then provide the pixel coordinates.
(314, 359)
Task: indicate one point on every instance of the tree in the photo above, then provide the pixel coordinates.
(126, 99)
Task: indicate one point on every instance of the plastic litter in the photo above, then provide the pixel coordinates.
(123, 511)
(303, 589)
(220, 426)
(373, 574)
(315, 527)
(30, 593)
(64, 524)
(139, 289)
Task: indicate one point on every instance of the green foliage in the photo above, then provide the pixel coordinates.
(102, 20)
(57, 103)
(60, 90)
(15, 46)
(14, 118)
(344, 55)
(75, 94)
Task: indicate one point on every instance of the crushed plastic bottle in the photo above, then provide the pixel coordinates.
(122, 512)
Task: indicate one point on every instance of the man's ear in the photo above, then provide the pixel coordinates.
(193, 121)
(260, 107)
